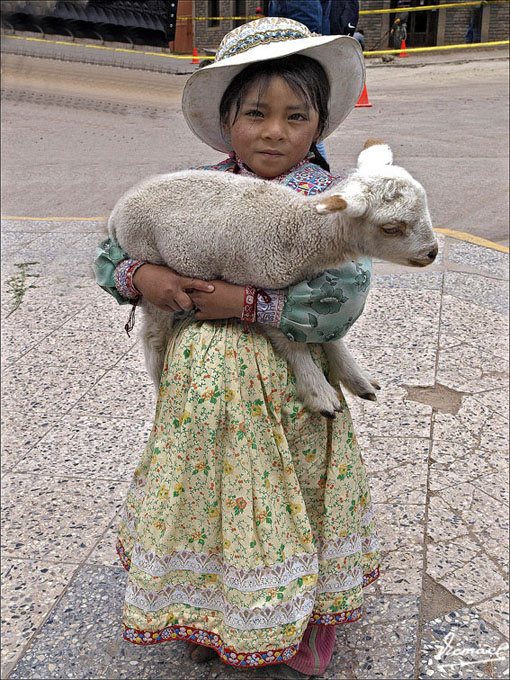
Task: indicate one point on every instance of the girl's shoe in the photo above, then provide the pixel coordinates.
(199, 653)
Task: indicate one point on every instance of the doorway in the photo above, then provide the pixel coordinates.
(421, 26)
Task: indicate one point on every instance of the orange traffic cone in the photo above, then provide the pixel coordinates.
(403, 52)
(195, 59)
(363, 100)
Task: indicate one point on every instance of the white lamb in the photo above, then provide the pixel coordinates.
(212, 225)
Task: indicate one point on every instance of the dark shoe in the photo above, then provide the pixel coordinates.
(199, 653)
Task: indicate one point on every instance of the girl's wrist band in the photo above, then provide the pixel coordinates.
(251, 296)
(123, 278)
(249, 314)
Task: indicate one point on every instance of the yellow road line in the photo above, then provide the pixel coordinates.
(438, 48)
(103, 47)
(461, 235)
(246, 18)
(53, 219)
(476, 240)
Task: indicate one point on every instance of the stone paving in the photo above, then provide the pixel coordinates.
(77, 406)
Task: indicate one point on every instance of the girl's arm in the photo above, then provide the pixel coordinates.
(127, 280)
(324, 308)
(315, 311)
(108, 256)
(319, 310)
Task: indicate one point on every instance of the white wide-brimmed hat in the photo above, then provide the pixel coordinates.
(270, 38)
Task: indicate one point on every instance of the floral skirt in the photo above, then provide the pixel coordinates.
(248, 517)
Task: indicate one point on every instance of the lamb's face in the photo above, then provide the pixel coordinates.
(396, 224)
(386, 211)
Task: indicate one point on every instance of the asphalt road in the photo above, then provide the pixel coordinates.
(75, 136)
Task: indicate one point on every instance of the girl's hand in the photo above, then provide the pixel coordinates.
(166, 289)
(225, 302)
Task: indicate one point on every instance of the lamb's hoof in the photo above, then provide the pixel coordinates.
(369, 395)
(375, 384)
(323, 400)
(332, 414)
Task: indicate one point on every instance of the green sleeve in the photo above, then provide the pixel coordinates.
(324, 308)
(108, 256)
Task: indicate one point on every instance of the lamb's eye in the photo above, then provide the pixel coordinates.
(388, 229)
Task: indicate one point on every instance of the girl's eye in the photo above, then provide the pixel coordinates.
(254, 113)
(298, 116)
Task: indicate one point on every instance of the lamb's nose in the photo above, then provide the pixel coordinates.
(433, 253)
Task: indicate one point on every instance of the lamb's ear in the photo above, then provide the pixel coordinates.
(374, 154)
(351, 203)
(331, 204)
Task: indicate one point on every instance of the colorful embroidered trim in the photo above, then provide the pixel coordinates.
(261, 38)
(123, 278)
(249, 306)
(207, 639)
(124, 559)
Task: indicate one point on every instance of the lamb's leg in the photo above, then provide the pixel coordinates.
(345, 370)
(311, 385)
(155, 334)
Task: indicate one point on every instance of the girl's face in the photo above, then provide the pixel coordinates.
(274, 129)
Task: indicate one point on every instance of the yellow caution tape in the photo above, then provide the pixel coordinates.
(496, 43)
(394, 10)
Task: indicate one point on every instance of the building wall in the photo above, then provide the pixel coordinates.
(375, 26)
(209, 36)
(456, 23)
(499, 20)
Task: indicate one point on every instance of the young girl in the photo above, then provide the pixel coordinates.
(249, 530)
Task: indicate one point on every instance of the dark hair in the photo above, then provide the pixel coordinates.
(303, 75)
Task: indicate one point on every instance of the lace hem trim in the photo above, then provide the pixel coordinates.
(238, 617)
(244, 580)
(214, 600)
